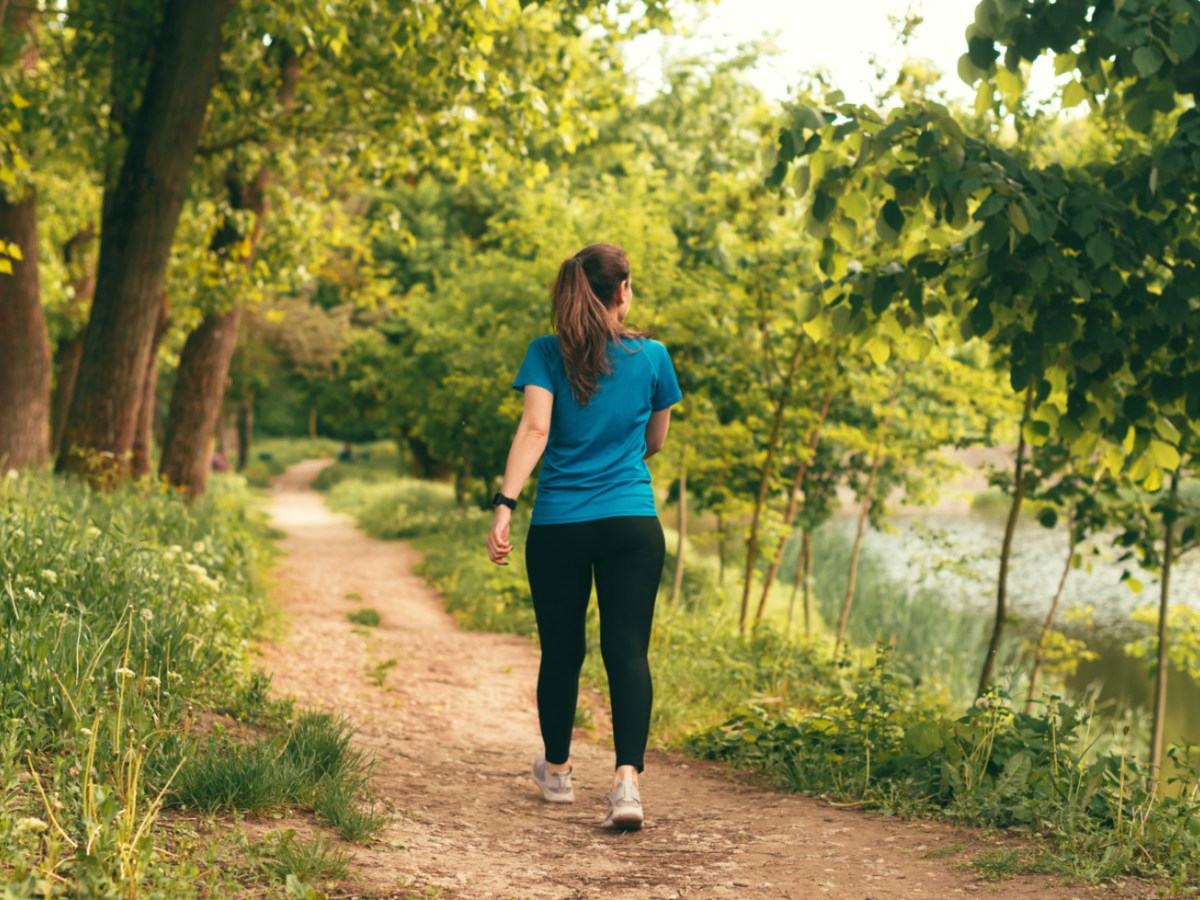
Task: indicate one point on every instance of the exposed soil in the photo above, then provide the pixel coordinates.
(453, 726)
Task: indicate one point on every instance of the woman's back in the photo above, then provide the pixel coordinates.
(594, 460)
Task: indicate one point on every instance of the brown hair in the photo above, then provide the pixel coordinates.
(585, 293)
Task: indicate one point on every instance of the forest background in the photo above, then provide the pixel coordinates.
(241, 220)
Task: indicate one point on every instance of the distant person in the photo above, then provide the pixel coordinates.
(598, 400)
(220, 463)
(346, 454)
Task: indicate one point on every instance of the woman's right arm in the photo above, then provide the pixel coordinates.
(527, 448)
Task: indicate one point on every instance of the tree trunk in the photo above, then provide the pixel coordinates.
(66, 369)
(245, 429)
(865, 512)
(789, 513)
(24, 345)
(24, 342)
(139, 463)
(764, 483)
(196, 402)
(677, 584)
(136, 237)
(1040, 650)
(312, 422)
(1164, 662)
(1010, 528)
(204, 365)
(69, 351)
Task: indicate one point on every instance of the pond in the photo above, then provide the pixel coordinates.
(956, 555)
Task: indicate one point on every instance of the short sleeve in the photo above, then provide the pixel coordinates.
(666, 390)
(535, 369)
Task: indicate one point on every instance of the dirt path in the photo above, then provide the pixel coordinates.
(454, 728)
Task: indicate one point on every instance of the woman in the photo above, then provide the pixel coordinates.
(598, 400)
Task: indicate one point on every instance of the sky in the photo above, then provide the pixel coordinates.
(839, 36)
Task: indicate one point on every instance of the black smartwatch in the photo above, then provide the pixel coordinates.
(501, 500)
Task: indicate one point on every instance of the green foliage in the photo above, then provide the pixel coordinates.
(270, 457)
(122, 612)
(879, 745)
(310, 765)
(283, 854)
(366, 617)
(395, 508)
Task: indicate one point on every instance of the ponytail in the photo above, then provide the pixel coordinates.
(585, 292)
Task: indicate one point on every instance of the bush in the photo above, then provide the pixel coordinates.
(883, 746)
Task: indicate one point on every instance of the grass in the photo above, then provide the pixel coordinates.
(367, 617)
(284, 854)
(127, 686)
(883, 727)
(269, 457)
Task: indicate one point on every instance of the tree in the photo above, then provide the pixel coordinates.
(137, 231)
(24, 343)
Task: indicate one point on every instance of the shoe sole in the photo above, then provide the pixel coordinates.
(627, 820)
(553, 797)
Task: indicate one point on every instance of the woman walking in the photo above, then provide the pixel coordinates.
(598, 400)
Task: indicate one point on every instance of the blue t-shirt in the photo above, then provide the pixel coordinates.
(593, 466)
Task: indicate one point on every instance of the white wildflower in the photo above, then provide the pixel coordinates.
(92, 532)
(13, 474)
(174, 676)
(18, 533)
(125, 673)
(983, 702)
(50, 575)
(86, 732)
(31, 823)
(153, 680)
(198, 547)
(32, 594)
(99, 560)
(146, 614)
(37, 542)
(175, 548)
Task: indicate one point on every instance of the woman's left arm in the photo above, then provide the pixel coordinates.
(527, 448)
(656, 431)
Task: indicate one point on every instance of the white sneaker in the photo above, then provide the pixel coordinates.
(624, 807)
(556, 786)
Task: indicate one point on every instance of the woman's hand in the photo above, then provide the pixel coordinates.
(498, 545)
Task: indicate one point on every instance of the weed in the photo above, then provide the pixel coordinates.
(284, 854)
(367, 617)
(319, 747)
(338, 803)
(355, 596)
(378, 673)
(998, 865)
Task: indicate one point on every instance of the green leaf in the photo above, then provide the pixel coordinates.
(1048, 517)
(1164, 455)
(1100, 248)
(982, 52)
(1016, 216)
(1147, 60)
(1184, 40)
(893, 215)
(1074, 94)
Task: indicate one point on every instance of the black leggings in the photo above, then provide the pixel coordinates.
(626, 555)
